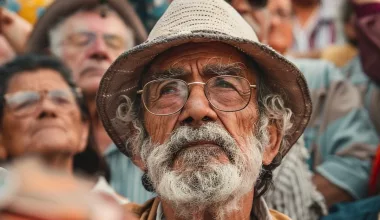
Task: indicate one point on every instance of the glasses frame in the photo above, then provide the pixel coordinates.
(92, 36)
(77, 93)
(251, 86)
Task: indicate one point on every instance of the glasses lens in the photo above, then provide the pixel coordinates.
(81, 39)
(62, 97)
(23, 103)
(228, 93)
(114, 41)
(164, 97)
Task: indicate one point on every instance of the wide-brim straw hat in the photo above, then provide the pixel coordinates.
(196, 21)
(60, 9)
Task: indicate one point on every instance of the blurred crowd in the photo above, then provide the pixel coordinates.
(54, 53)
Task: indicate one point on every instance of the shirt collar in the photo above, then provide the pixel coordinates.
(110, 150)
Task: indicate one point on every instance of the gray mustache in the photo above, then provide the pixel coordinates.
(210, 132)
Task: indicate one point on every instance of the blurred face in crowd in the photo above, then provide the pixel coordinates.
(6, 52)
(201, 144)
(41, 116)
(88, 43)
(257, 17)
(280, 35)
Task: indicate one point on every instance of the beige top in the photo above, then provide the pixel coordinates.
(148, 211)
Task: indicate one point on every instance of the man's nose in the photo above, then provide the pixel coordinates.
(275, 20)
(197, 109)
(99, 49)
(47, 109)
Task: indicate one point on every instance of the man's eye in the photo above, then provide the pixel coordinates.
(167, 90)
(25, 104)
(61, 100)
(223, 84)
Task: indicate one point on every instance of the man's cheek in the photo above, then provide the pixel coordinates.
(240, 124)
(159, 128)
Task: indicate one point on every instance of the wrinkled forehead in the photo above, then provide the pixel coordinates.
(36, 80)
(201, 55)
(93, 21)
(280, 5)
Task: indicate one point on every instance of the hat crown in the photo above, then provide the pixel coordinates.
(202, 16)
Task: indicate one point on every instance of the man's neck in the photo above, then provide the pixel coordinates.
(62, 162)
(242, 213)
(305, 13)
(102, 138)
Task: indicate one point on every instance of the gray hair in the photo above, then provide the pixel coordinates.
(56, 34)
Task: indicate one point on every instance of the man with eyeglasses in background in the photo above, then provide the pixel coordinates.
(88, 35)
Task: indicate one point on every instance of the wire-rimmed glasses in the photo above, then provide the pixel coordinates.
(168, 96)
(26, 102)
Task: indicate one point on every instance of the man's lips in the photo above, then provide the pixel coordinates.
(203, 144)
(47, 127)
(91, 72)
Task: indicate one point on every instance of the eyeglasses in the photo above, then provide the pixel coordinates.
(86, 38)
(168, 96)
(26, 102)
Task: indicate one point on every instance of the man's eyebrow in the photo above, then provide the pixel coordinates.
(169, 73)
(235, 69)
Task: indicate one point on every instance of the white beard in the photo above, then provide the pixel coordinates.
(203, 182)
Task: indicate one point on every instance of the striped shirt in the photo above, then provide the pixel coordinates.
(293, 192)
(340, 136)
(370, 92)
(340, 139)
(322, 30)
(126, 177)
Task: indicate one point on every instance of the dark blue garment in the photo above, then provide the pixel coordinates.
(366, 209)
(150, 11)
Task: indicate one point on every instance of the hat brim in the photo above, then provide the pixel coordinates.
(124, 74)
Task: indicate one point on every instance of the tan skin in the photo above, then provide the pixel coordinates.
(14, 29)
(197, 111)
(90, 62)
(51, 131)
(6, 51)
(331, 192)
(304, 9)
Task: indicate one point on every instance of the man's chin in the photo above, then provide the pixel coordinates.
(199, 158)
(90, 86)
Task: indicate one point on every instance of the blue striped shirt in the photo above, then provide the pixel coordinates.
(340, 136)
(125, 176)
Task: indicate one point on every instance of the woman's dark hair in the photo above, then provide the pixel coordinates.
(89, 162)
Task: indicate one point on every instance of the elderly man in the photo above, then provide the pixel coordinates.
(88, 36)
(206, 111)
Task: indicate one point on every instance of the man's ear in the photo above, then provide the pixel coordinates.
(137, 160)
(3, 151)
(271, 150)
